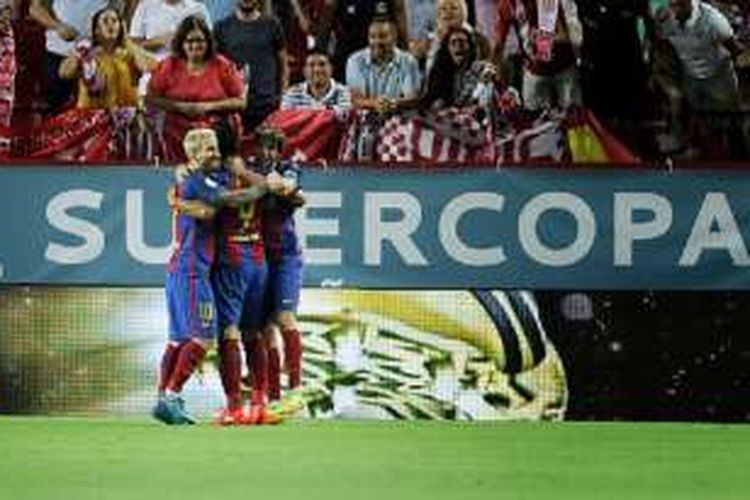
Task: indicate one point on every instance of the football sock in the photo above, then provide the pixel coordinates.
(258, 357)
(168, 362)
(274, 374)
(191, 355)
(230, 369)
(293, 355)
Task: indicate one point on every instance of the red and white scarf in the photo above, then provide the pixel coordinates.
(7, 83)
(7, 74)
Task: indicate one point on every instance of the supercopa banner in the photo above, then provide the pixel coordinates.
(406, 228)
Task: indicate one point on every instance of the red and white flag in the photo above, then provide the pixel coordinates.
(451, 135)
(313, 134)
(541, 141)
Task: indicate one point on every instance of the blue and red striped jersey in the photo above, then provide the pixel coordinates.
(239, 232)
(278, 228)
(194, 239)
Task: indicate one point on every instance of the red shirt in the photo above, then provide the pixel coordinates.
(219, 79)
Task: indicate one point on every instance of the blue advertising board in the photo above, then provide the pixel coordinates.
(405, 228)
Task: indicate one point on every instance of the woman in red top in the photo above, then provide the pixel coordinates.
(195, 86)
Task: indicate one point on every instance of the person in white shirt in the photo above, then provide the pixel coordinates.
(707, 51)
(155, 21)
(66, 21)
(705, 45)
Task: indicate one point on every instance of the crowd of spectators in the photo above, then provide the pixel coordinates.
(668, 77)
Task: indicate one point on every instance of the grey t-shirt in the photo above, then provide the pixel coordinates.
(254, 45)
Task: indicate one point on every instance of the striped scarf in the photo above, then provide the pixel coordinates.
(7, 75)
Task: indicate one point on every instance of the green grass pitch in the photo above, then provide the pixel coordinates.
(97, 458)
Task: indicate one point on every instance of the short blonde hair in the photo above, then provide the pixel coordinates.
(196, 139)
(461, 4)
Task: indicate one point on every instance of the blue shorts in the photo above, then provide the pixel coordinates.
(190, 304)
(253, 317)
(284, 285)
(232, 288)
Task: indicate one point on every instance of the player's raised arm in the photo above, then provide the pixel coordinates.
(298, 198)
(206, 207)
(247, 177)
(240, 196)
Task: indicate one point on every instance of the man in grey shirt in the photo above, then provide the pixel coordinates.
(255, 42)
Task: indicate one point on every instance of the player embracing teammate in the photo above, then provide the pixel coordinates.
(285, 269)
(232, 289)
(190, 297)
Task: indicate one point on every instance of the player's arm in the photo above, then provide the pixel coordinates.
(241, 196)
(290, 180)
(273, 182)
(201, 210)
(254, 185)
(192, 208)
(245, 176)
(205, 208)
(288, 185)
(195, 209)
(210, 198)
(217, 195)
(298, 198)
(201, 203)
